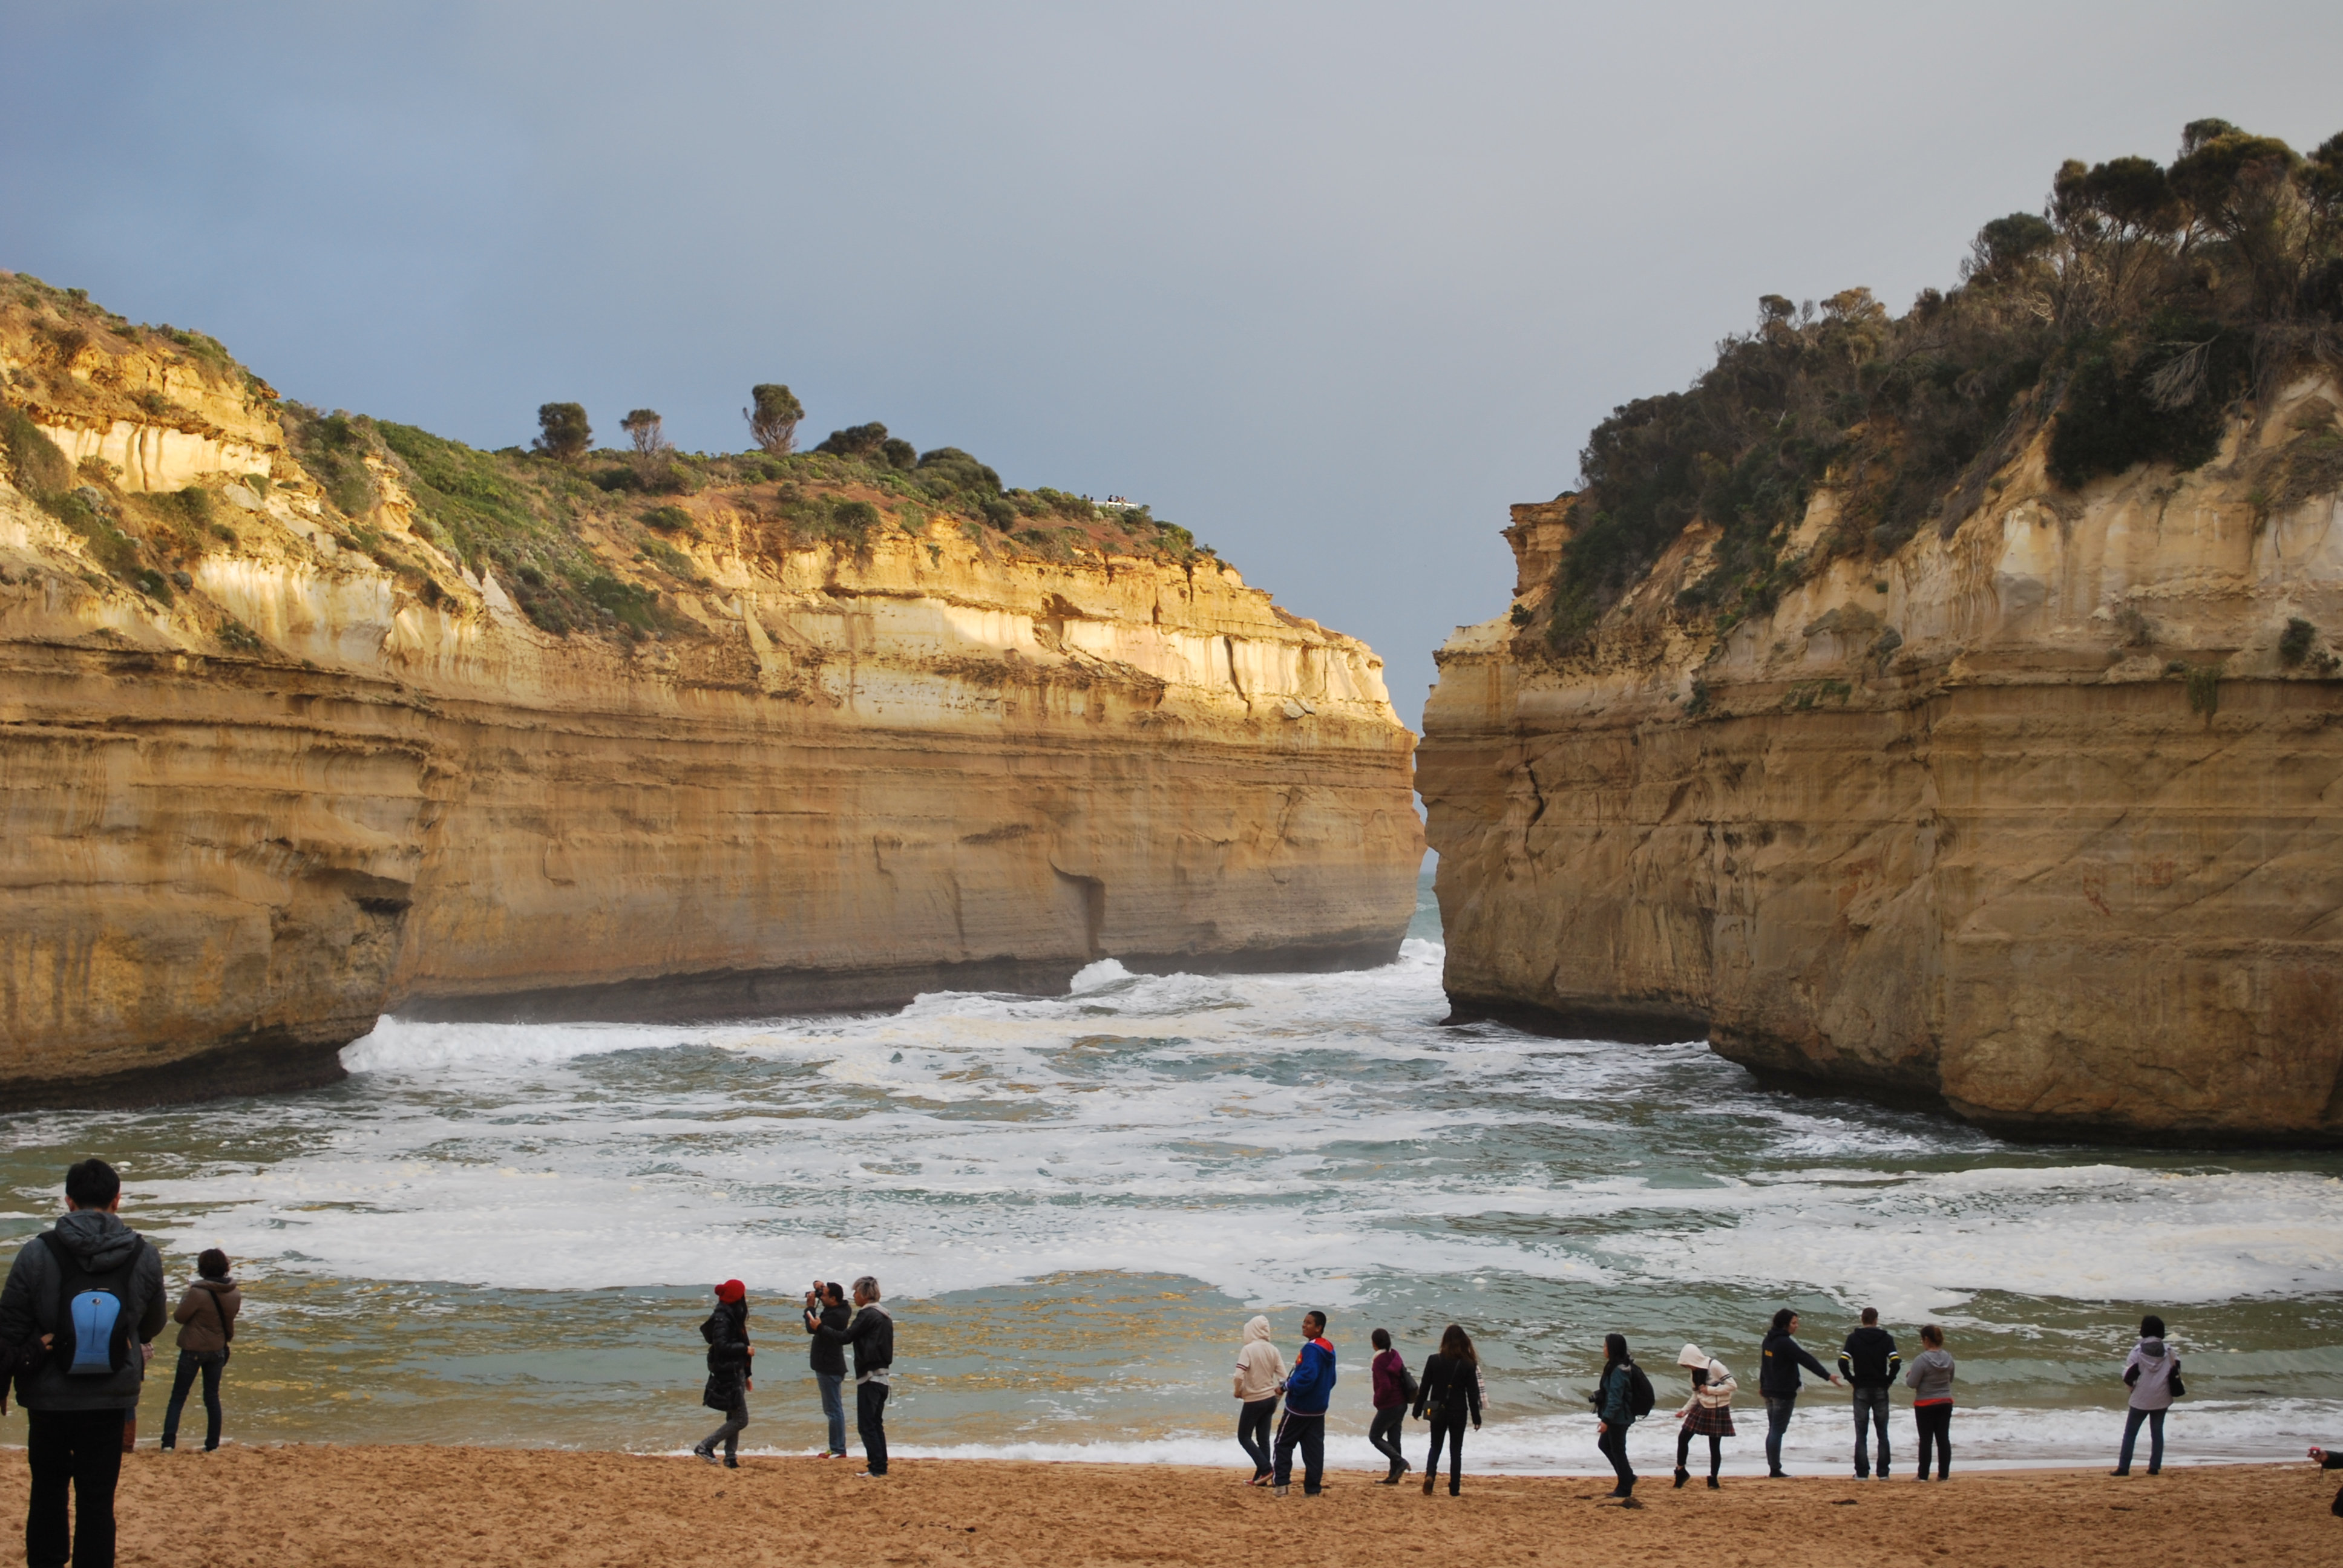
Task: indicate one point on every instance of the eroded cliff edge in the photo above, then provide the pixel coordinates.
(1950, 825)
(290, 737)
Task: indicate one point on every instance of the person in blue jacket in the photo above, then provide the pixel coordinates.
(1307, 1389)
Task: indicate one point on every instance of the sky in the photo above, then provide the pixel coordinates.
(1329, 285)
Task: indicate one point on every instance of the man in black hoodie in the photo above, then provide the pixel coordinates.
(872, 1333)
(90, 1270)
(1869, 1361)
(1778, 1362)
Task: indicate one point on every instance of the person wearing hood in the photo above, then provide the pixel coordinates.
(1615, 1405)
(825, 1306)
(207, 1316)
(1707, 1413)
(1778, 1360)
(2153, 1373)
(1392, 1392)
(729, 1358)
(1260, 1370)
(872, 1333)
(1869, 1361)
(1930, 1378)
(1308, 1389)
(89, 1292)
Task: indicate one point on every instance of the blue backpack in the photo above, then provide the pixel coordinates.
(93, 1320)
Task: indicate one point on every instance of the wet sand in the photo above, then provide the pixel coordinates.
(322, 1507)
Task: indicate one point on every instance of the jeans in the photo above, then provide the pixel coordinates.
(1716, 1451)
(1253, 1432)
(1779, 1408)
(81, 1449)
(728, 1434)
(190, 1363)
(2155, 1419)
(1452, 1429)
(833, 1406)
(1936, 1424)
(871, 1424)
(1384, 1435)
(1871, 1406)
(1614, 1444)
(1307, 1432)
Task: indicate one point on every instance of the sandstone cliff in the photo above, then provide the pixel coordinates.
(303, 720)
(2040, 819)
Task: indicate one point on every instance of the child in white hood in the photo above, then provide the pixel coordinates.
(2153, 1373)
(1707, 1413)
(1260, 1370)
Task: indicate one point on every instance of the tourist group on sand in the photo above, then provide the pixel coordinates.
(85, 1299)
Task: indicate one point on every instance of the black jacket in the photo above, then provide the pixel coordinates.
(872, 1335)
(28, 1308)
(1778, 1362)
(1451, 1384)
(727, 1333)
(1870, 1358)
(828, 1354)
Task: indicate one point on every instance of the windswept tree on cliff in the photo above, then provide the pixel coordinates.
(648, 433)
(873, 444)
(563, 433)
(773, 413)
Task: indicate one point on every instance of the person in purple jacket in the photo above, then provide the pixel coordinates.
(1308, 1387)
(1390, 1405)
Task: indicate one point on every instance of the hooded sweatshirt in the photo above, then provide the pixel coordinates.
(1311, 1382)
(1714, 1394)
(1930, 1376)
(1389, 1374)
(28, 1308)
(1259, 1366)
(2152, 1389)
(206, 1315)
(1778, 1360)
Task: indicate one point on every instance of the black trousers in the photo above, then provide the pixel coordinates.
(81, 1449)
(1307, 1432)
(190, 1363)
(870, 1423)
(1715, 1450)
(1452, 1431)
(1614, 1444)
(1935, 1422)
(1384, 1434)
(1253, 1432)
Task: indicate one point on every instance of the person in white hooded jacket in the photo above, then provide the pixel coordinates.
(1707, 1413)
(2153, 1373)
(1260, 1372)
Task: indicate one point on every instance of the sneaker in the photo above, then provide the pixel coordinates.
(1281, 1491)
(704, 1454)
(731, 1462)
(869, 1475)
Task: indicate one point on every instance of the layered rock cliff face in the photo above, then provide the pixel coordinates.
(280, 752)
(2042, 820)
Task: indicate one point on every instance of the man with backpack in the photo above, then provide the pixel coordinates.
(1869, 1361)
(82, 1303)
(1624, 1397)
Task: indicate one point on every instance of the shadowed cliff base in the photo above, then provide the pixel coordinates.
(1626, 1022)
(265, 1061)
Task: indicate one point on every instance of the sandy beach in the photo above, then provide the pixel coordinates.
(385, 1507)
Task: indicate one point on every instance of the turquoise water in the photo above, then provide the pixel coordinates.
(504, 1234)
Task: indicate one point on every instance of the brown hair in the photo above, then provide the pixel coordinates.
(212, 1264)
(1932, 1334)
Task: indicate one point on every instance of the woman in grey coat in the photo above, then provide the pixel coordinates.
(1930, 1378)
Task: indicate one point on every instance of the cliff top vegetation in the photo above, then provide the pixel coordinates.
(2144, 307)
(586, 539)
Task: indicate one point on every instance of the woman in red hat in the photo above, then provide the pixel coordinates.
(728, 1352)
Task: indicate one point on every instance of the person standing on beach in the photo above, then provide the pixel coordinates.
(89, 1292)
(1391, 1394)
(2153, 1373)
(2330, 1459)
(729, 1356)
(826, 1305)
(1449, 1393)
(1779, 1359)
(207, 1314)
(1615, 1405)
(1707, 1413)
(1869, 1362)
(1930, 1378)
(1307, 1389)
(872, 1333)
(1260, 1372)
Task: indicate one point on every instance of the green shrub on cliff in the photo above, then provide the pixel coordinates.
(2131, 317)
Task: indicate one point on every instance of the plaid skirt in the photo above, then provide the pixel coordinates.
(1704, 1421)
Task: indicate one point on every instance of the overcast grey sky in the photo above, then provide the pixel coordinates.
(1329, 285)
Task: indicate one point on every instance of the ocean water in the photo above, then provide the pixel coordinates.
(505, 1234)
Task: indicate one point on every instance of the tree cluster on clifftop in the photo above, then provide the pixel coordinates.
(2142, 308)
